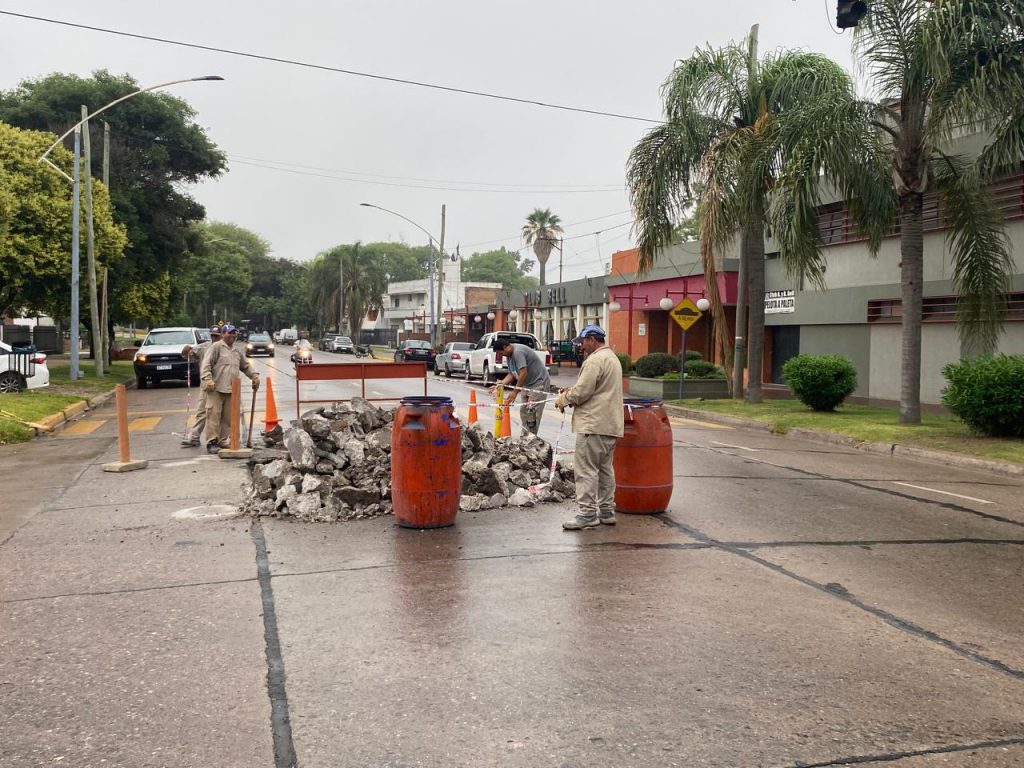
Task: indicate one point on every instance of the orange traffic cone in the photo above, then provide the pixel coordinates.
(506, 422)
(270, 421)
(472, 406)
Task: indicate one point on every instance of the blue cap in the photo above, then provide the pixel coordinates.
(228, 328)
(590, 330)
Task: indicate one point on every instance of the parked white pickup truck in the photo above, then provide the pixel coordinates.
(486, 364)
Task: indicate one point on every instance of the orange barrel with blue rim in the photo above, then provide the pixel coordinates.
(643, 459)
(426, 462)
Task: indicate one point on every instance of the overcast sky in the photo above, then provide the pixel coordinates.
(335, 140)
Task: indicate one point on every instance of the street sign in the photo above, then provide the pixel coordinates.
(685, 313)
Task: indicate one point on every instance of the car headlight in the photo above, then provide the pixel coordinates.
(140, 358)
(270, 346)
(248, 346)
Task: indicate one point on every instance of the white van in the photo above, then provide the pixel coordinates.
(286, 336)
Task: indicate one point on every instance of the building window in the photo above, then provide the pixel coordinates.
(592, 314)
(936, 309)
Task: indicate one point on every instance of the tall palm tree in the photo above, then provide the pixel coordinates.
(736, 126)
(541, 229)
(940, 67)
(365, 283)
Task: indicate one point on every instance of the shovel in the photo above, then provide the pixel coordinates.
(252, 415)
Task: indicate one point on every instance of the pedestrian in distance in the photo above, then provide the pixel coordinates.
(531, 378)
(192, 435)
(596, 400)
(222, 365)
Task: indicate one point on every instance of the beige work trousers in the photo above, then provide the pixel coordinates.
(595, 476)
(218, 418)
(532, 411)
(199, 421)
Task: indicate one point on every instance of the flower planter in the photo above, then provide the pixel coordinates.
(709, 389)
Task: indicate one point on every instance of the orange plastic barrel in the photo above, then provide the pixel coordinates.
(426, 462)
(643, 459)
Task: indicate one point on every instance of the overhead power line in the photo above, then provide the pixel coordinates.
(325, 68)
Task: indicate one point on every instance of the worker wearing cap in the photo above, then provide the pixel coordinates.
(192, 435)
(220, 367)
(531, 379)
(597, 420)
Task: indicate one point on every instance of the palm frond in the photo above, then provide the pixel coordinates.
(892, 42)
(711, 82)
(982, 256)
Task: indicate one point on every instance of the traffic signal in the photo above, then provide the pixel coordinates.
(849, 12)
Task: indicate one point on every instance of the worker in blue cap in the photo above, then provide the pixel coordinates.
(221, 365)
(596, 400)
(192, 435)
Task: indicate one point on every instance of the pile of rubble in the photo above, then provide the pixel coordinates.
(335, 463)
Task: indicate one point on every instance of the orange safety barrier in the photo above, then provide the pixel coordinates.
(506, 422)
(354, 372)
(472, 406)
(270, 419)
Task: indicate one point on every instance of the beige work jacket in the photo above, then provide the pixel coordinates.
(597, 395)
(223, 363)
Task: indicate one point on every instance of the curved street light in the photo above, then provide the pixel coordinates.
(98, 332)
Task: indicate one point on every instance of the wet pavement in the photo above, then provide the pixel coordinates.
(798, 605)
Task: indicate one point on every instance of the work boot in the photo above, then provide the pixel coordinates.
(579, 522)
(189, 442)
(607, 519)
(212, 447)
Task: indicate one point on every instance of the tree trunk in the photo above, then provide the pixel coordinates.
(721, 343)
(543, 262)
(753, 243)
(911, 278)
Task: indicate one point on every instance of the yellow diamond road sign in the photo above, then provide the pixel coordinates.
(686, 314)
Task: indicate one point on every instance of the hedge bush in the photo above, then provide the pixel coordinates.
(703, 369)
(821, 382)
(656, 364)
(693, 354)
(625, 362)
(988, 394)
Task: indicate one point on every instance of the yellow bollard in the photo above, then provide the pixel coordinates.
(234, 452)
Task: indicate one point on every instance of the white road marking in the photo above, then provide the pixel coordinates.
(211, 512)
(375, 392)
(944, 493)
(740, 447)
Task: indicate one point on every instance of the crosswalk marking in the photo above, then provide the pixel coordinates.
(84, 427)
(143, 425)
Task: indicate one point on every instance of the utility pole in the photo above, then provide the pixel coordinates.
(341, 291)
(90, 249)
(561, 245)
(430, 284)
(76, 284)
(440, 281)
(104, 317)
(740, 350)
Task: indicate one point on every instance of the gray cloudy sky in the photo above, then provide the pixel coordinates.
(335, 140)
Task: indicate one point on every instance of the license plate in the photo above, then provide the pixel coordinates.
(163, 367)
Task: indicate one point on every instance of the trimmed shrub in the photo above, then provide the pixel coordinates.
(656, 364)
(625, 362)
(693, 354)
(703, 369)
(821, 382)
(987, 394)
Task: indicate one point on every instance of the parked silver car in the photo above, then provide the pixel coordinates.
(453, 358)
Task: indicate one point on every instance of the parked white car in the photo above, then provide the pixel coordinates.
(489, 365)
(454, 358)
(22, 370)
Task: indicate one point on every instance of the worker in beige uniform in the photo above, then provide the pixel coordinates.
(192, 435)
(220, 367)
(596, 400)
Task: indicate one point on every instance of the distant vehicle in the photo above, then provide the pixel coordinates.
(326, 340)
(343, 344)
(490, 365)
(362, 350)
(303, 353)
(453, 358)
(414, 351)
(259, 344)
(564, 349)
(22, 370)
(160, 359)
(286, 336)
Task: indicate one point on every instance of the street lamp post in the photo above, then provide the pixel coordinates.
(434, 319)
(75, 179)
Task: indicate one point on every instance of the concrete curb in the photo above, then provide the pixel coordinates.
(1009, 468)
(55, 421)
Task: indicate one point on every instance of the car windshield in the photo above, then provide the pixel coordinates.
(172, 338)
(203, 335)
(259, 337)
(344, 339)
(462, 345)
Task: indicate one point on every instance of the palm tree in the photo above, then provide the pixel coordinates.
(939, 67)
(541, 230)
(740, 135)
(365, 283)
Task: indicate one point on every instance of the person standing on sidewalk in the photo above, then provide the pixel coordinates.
(192, 435)
(597, 420)
(221, 366)
(531, 379)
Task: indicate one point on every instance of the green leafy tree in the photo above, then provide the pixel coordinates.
(541, 230)
(399, 261)
(157, 149)
(736, 127)
(35, 226)
(500, 266)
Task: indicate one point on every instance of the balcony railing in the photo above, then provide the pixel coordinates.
(935, 309)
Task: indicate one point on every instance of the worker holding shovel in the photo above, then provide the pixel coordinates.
(221, 365)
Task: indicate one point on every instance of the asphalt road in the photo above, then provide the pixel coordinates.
(798, 605)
